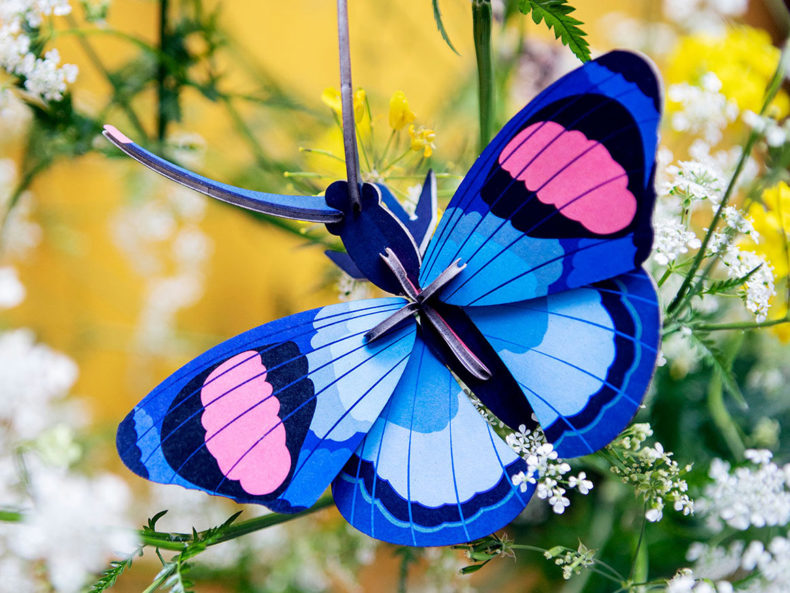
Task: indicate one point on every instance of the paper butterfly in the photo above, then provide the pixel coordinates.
(530, 291)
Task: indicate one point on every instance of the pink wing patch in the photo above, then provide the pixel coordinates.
(576, 175)
(243, 430)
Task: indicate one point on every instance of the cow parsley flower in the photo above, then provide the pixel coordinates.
(12, 291)
(695, 181)
(44, 77)
(672, 238)
(758, 289)
(651, 472)
(755, 495)
(571, 561)
(701, 109)
(545, 469)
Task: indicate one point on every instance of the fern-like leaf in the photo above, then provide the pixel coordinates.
(107, 578)
(557, 16)
(721, 286)
(720, 363)
(437, 16)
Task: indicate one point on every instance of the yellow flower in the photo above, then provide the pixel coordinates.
(743, 59)
(400, 114)
(331, 98)
(771, 220)
(422, 139)
(360, 105)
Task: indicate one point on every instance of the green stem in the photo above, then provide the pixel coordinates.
(20, 189)
(9, 516)
(178, 541)
(684, 295)
(161, 75)
(118, 96)
(481, 27)
(712, 327)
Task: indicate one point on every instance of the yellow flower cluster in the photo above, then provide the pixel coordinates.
(743, 59)
(771, 220)
(421, 139)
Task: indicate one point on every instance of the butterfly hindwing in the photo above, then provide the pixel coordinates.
(273, 414)
(431, 471)
(584, 358)
(563, 195)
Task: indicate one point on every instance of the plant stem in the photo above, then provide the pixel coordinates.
(481, 27)
(161, 75)
(711, 327)
(118, 96)
(178, 541)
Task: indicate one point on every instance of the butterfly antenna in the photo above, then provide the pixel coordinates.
(347, 101)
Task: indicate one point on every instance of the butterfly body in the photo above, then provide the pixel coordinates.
(529, 291)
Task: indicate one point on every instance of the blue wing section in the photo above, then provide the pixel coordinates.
(309, 208)
(431, 471)
(563, 195)
(423, 222)
(584, 358)
(273, 414)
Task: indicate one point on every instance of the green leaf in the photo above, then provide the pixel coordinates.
(721, 286)
(557, 16)
(152, 521)
(111, 574)
(722, 364)
(437, 16)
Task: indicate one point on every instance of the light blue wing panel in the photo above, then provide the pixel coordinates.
(271, 415)
(584, 358)
(431, 471)
(562, 196)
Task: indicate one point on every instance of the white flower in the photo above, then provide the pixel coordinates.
(704, 110)
(581, 483)
(758, 456)
(759, 287)
(31, 375)
(747, 496)
(77, 524)
(672, 238)
(12, 291)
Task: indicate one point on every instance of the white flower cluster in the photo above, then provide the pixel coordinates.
(12, 291)
(694, 181)
(704, 15)
(704, 110)
(651, 472)
(44, 77)
(161, 237)
(775, 134)
(545, 469)
(756, 567)
(672, 238)
(571, 561)
(759, 288)
(64, 536)
(686, 582)
(757, 495)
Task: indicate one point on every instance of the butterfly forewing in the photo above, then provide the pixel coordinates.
(273, 414)
(563, 196)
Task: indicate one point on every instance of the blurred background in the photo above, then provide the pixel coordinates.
(121, 277)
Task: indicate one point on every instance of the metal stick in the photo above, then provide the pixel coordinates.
(347, 101)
